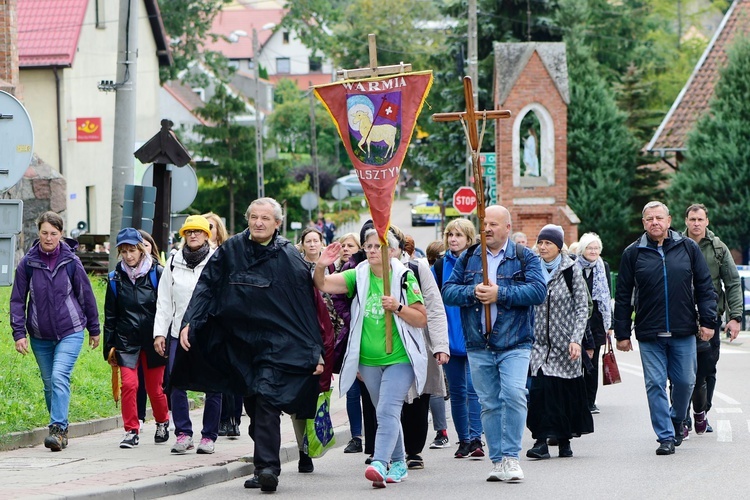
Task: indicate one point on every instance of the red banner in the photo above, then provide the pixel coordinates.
(376, 118)
(89, 129)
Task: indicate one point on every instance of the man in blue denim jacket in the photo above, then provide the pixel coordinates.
(499, 362)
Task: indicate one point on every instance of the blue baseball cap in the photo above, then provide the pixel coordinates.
(129, 236)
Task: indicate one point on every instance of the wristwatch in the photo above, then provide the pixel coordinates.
(400, 306)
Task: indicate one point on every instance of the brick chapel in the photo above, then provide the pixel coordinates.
(531, 81)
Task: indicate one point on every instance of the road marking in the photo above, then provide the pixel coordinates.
(723, 431)
(727, 410)
(725, 398)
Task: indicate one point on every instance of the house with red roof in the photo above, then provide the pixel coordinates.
(65, 49)
(281, 53)
(669, 140)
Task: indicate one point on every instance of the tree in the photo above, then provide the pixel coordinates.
(188, 25)
(716, 170)
(602, 153)
(225, 154)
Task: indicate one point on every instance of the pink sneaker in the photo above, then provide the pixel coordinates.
(206, 446)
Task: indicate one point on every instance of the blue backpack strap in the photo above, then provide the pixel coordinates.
(112, 282)
(154, 277)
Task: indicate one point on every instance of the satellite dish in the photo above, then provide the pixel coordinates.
(184, 186)
(17, 144)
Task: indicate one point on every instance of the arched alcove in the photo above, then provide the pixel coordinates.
(539, 132)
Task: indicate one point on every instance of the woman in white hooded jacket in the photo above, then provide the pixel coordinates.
(388, 376)
(175, 290)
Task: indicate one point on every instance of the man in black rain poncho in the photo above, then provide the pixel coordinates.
(253, 326)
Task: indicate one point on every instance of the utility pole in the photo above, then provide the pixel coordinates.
(314, 145)
(473, 73)
(258, 120)
(125, 102)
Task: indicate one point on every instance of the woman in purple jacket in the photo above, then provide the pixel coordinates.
(60, 306)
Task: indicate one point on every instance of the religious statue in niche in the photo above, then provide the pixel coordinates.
(530, 132)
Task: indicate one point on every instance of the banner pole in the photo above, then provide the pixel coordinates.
(384, 255)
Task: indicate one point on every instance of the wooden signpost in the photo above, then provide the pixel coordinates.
(468, 120)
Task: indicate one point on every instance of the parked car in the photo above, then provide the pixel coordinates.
(425, 212)
(351, 183)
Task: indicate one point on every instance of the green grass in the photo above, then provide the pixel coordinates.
(22, 406)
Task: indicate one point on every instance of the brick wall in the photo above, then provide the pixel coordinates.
(8, 47)
(535, 84)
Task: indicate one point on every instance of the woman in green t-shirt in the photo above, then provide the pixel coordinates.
(388, 376)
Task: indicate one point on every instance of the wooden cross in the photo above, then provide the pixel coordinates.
(469, 120)
(371, 71)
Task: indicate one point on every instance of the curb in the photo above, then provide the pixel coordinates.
(188, 480)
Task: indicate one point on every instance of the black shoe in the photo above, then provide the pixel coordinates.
(130, 440)
(368, 460)
(233, 430)
(162, 432)
(305, 464)
(665, 448)
(475, 449)
(564, 451)
(57, 439)
(708, 427)
(464, 449)
(268, 480)
(678, 432)
(414, 462)
(539, 450)
(594, 409)
(252, 483)
(354, 446)
(224, 428)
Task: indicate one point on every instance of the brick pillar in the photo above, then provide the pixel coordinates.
(8, 47)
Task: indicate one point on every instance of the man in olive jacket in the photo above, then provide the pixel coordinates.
(730, 300)
(664, 276)
(253, 323)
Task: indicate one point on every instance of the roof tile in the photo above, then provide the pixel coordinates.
(48, 31)
(695, 97)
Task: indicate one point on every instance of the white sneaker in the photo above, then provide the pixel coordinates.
(511, 470)
(496, 474)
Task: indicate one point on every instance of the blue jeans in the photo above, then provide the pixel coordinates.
(500, 382)
(388, 386)
(354, 409)
(56, 359)
(437, 408)
(465, 408)
(672, 357)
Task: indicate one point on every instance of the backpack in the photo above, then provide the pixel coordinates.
(438, 267)
(152, 275)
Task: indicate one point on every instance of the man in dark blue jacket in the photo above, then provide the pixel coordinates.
(664, 276)
(499, 361)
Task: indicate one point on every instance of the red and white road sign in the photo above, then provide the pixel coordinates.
(465, 200)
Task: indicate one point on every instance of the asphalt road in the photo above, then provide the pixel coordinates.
(617, 461)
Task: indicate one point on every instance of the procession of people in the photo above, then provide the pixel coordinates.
(253, 318)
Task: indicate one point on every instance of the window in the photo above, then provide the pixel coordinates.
(283, 65)
(250, 64)
(234, 63)
(200, 92)
(285, 38)
(316, 64)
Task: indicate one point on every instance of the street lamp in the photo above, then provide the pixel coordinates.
(233, 37)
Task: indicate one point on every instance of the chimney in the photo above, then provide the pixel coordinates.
(8, 47)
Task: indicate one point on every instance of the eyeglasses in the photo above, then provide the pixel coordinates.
(373, 247)
(191, 232)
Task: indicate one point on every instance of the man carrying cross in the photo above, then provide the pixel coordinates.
(499, 360)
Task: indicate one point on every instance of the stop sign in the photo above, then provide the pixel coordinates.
(465, 200)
